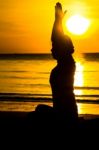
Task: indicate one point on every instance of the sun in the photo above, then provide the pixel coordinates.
(77, 24)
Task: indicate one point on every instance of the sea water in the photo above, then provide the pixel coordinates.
(27, 75)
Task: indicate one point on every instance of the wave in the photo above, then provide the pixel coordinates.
(33, 95)
(86, 88)
(39, 95)
(44, 98)
(26, 78)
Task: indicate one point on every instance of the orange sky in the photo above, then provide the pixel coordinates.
(25, 26)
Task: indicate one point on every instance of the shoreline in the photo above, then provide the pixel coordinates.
(22, 116)
(23, 108)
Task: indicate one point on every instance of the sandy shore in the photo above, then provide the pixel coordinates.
(16, 123)
(17, 112)
(21, 108)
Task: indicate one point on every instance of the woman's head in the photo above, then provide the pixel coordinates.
(62, 48)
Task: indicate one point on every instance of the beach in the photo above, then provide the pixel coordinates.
(16, 120)
(19, 119)
(23, 88)
(49, 57)
(22, 106)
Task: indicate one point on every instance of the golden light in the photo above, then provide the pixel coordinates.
(80, 108)
(78, 78)
(77, 24)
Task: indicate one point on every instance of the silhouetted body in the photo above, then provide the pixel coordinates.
(61, 80)
(62, 76)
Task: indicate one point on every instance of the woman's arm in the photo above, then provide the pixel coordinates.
(60, 41)
(57, 31)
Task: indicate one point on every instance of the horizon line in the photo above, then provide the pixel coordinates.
(44, 53)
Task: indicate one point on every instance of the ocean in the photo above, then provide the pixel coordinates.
(25, 77)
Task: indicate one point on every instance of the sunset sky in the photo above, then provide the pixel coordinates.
(25, 25)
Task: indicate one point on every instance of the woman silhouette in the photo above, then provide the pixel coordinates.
(62, 76)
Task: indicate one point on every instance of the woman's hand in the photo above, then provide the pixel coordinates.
(59, 14)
